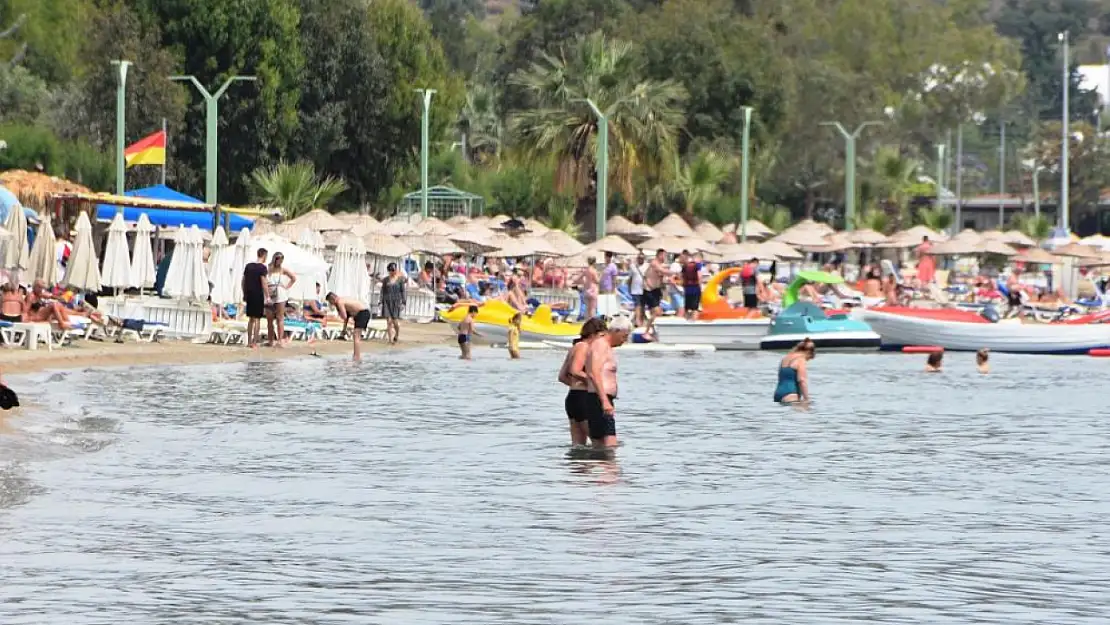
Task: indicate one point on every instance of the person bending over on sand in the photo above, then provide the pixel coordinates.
(982, 361)
(466, 330)
(934, 362)
(573, 375)
(793, 385)
(601, 381)
(349, 309)
(254, 296)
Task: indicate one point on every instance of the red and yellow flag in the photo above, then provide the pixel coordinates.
(150, 150)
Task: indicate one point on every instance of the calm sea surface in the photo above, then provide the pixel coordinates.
(419, 489)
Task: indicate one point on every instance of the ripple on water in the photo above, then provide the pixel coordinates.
(419, 489)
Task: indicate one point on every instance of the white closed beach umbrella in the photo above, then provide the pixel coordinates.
(83, 270)
(310, 269)
(198, 273)
(219, 270)
(344, 278)
(117, 264)
(176, 273)
(240, 257)
(143, 273)
(43, 265)
(17, 256)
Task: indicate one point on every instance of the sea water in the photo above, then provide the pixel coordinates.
(414, 488)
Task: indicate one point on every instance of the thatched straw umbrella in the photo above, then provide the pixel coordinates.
(709, 232)
(613, 244)
(319, 220)
(566, 244)
(674, 225)
(33, 188)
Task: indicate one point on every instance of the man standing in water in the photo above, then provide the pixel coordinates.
(653, 285)
(601, 381)
(254, 295)
(351, 309)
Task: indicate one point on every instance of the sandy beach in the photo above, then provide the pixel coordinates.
(83, 354)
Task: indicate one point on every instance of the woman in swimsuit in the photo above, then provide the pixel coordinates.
(589, 282)
(278, 295)
(573, 375)
(793, 386)
(601, 382)
(11, 304)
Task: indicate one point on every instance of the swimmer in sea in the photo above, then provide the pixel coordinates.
(933, 363)
(466, 329)
(601, 381)
(514, 336)
(793, 386)
(573, 375)
(982, 361)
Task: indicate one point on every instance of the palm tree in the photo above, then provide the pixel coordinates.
(644, 117)
(481, 124)
(1036, 227)
(294, 188)
(699, 180)
(937, 219)
(873, 219)
(893, 176)
(560, 215)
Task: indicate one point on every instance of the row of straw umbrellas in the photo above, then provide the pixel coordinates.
(503, 236)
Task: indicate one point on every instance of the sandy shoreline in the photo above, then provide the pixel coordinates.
(83, 354)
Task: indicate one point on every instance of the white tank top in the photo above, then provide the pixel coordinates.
(278, 294)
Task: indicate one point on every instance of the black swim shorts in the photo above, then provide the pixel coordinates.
(577, 405)
(652, 298)
(601, 424)
(362, 319)
(256, 305)
(464, 339)
(751, 300)
(692, 296)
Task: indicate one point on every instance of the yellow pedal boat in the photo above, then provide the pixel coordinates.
(492, 323)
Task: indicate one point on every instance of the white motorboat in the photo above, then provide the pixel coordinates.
(722, 334)
(958, 330)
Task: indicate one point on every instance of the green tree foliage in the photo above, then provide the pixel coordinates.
(23, 95)
(1088, 168)
(294, 188)
(216, 39)
(47, 41)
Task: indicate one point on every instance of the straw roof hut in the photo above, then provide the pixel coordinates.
(433, 244)
(753, 229)
(1037, 256)
(1018, 238)
(563, 242)
(614, 244)
(459, 221)
(383, 245)
(535, 225)
(676, 244)
(836, 242)
(803, 237)
(435, 227)
(994, 246)
(262, 225)
(709, 232)
(318, 220)
(474, 240)
(865, 237)
(967, 234)
(620, 226)
(675, 226)
(955, 247)
(782, 250)
(1076, 250)
(396, 228)
(743, 252)
(913, 236)
(32, 188)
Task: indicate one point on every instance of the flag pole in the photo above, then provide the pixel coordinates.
(165, 157)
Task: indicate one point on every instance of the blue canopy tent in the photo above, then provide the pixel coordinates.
(168, 217)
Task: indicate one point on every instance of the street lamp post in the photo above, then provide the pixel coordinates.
(426, 98)
(1001, 174)
(121, 105)
(940, 172)
(850, 168)
(959, 175)
(1036, 191)
(602, 168)
(744, 192)
(211, 146)
(1064, 191)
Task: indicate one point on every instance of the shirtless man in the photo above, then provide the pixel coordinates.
(589, 283)
(654, 278)
(601, 381)
(352, 309)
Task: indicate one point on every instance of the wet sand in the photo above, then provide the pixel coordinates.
(82, 354)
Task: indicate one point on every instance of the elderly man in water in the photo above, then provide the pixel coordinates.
(601, 381)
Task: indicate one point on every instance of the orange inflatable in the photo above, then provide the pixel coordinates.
(713, 306)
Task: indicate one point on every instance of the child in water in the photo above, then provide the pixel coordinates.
(514, 336)
(933, 363)
(982, 363)
(466, 329)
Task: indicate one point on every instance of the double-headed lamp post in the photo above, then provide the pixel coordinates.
(850, 168)
(121, 106)
(211, 145)
(1063, 223)
(744, 191)
(426, 101)
(602, 168)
